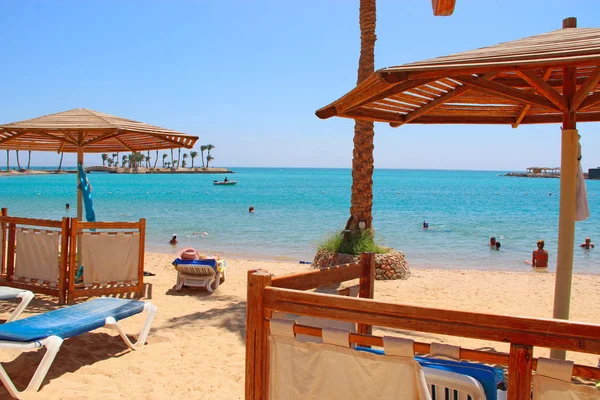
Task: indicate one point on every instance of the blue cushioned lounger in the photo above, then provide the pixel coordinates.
(8, 293)
(51, 328)
(209, 261)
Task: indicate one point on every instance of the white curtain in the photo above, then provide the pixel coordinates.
(109, 258)
(37, 255)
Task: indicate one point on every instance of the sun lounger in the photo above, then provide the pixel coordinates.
(206, 273)
(51, 328)
(8, 293)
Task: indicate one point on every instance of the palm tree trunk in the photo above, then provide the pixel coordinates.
(361, 203)
(178, 157)
(8, 160)
(156, 159)
(18, 162)
(61, 158)
(29, 160)
(173, 165)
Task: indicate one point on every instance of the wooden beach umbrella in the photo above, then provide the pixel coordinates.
(87, 131)
(549, 78)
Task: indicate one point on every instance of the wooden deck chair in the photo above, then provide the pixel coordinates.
(552, 381)
(208, 273)
(51, 328)
(333, 370)
(8, 293)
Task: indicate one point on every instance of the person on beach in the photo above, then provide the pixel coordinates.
(425, 225)
(587, 244)
(251, 209)
(539, 257)
(492, 242)
(173, 240)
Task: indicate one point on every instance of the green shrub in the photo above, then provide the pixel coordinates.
(352, 243)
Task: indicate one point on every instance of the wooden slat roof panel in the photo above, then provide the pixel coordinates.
(501, 80)
(102, 133)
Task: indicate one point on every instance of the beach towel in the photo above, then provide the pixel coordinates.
(583, 209)
(86, 194)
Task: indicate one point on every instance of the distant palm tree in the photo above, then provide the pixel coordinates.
(164, 157)
(60, 163)
(209, 147)
(148, 160)
(104, 158)
(18, 162)
(193, 154)
(208, 159)
(8, 160)
(124, 160)
(116, 159)
(110, 162)
(202, 149)
(184, 162)
(155, 159)
(29, 160)
(178, 156)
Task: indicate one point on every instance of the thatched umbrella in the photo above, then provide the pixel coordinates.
(86, 131)
(548, 78)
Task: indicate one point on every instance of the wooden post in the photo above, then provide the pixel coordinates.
(10, 259)
(141, 258)
(3, 213)
(367, 285)
(568, 189)
(256, 336)
(65, 236)
(73, 246)
(520, 364)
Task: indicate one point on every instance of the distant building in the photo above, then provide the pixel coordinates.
(543, 171)
(594, 173)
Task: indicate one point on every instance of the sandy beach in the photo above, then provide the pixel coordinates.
(196, 347)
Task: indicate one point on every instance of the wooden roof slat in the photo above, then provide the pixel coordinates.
(590, 101)
(585, 89)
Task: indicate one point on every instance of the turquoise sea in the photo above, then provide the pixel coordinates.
(296, 208)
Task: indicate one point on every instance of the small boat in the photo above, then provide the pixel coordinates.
(230, 183)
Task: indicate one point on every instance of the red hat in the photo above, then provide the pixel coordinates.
(188, 253)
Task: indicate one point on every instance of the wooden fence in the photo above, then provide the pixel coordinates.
(286, 294)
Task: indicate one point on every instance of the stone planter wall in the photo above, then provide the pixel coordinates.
(388, 266)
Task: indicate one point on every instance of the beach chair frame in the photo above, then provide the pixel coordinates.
(287, 294)
(111, 288)
(9, 226)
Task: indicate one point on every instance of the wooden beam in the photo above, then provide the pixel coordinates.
(585, 89)
(103, 136)
(507, 92)
(543, 88)
(440, 100)
(125, 144)
(343, 106)
(443, 7)
(525, 107)
(319, 277)
(590, 101)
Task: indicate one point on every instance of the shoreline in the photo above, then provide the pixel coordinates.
(115, 170)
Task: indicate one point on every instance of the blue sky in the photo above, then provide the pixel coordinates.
(247, 76)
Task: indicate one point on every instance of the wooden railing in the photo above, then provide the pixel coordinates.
(267, 294)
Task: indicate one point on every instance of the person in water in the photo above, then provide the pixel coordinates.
(67, 206)
(539, 257)
(173, 240)
(587, 244)
(225, 180)
(497, 245)
(251, 209)
(425, 225)
(492, 242)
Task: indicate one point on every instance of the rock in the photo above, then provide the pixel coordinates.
(392, 265)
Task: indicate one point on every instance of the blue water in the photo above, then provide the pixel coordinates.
(298, 208)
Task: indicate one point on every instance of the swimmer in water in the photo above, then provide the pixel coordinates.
(539, 257)
(425, 225)
(251, 209)
(587, 244)
(173, 240)
(492, 242)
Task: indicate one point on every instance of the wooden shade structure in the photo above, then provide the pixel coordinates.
(87, 131)
(548, 78)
